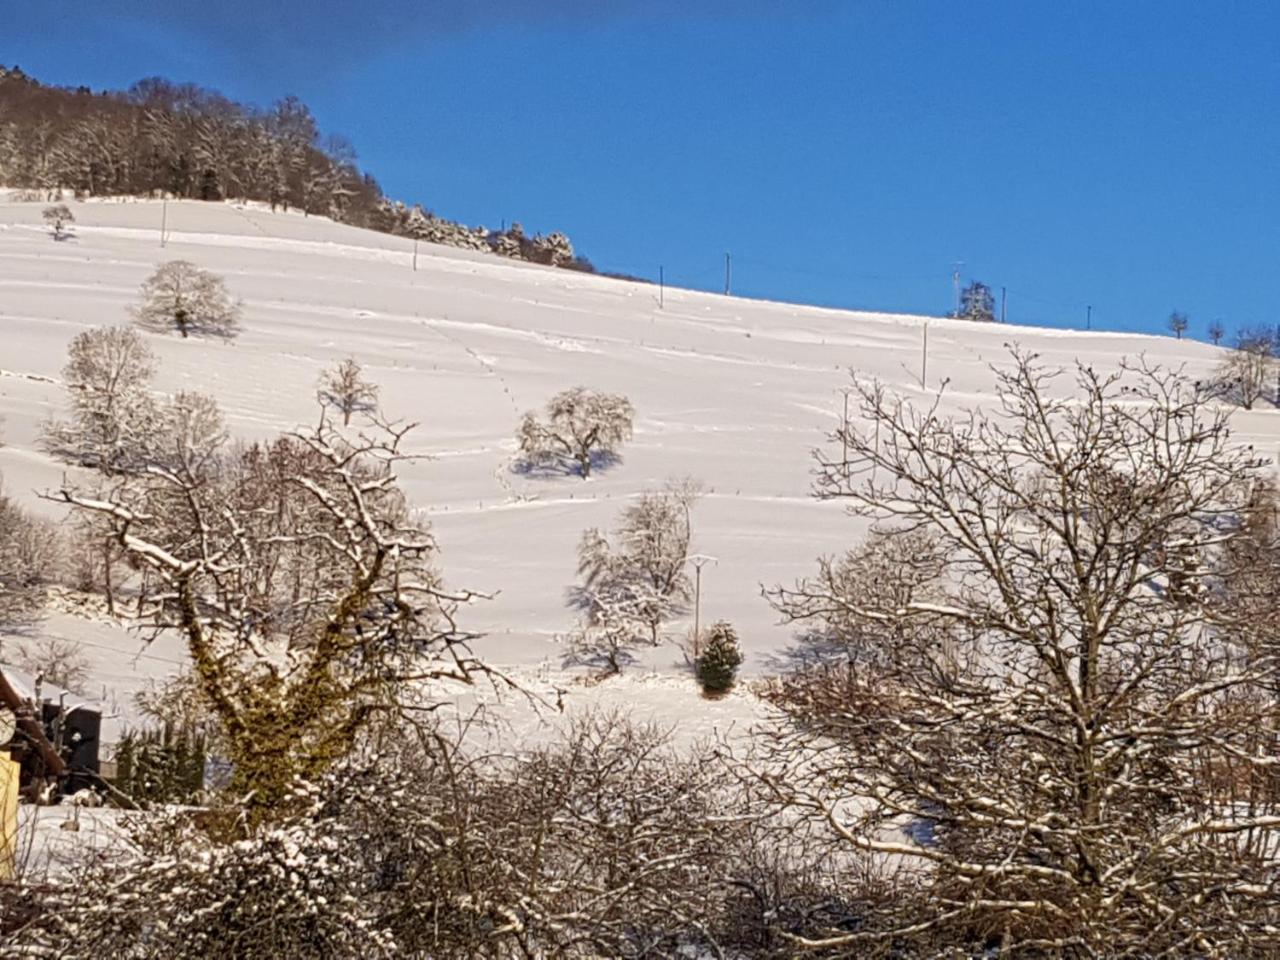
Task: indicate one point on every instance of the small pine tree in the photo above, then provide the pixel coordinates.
(721, 656)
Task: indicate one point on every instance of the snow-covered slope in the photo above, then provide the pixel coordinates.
(732, 391)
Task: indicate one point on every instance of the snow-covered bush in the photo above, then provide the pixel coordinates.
(180, 296)
(605, 843)
(190, 889)
(717, 664)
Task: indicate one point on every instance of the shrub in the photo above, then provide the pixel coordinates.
(718, 664)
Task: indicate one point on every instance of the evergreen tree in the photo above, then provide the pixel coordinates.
(977, 303)
(718, 663)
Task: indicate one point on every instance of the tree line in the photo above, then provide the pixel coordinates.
(161, 138)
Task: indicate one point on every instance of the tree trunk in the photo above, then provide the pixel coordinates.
(108, 589)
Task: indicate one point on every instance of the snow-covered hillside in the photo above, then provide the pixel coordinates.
(734, 392)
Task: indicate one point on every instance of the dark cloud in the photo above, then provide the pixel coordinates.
(268, 34)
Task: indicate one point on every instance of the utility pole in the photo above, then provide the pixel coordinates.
(164, 218)
(415, 254)
(955, 282)
(699, 560)
(1088, 317)
(1002, 303)
(924, 354)
(844, 433)
(728, 272)
(662, 288)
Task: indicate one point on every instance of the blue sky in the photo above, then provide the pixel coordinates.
(1124, 155)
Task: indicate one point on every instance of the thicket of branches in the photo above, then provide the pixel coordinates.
(181, 140)
(1053, 734)
(1043, 721)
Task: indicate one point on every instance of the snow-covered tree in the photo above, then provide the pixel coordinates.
(28, 554)
(635, 581)
(344, 388)
(418, 224)
(1063, 753)
(59, 218)
(113, 416)
(180, 296)
(580, 426)
(304, 589)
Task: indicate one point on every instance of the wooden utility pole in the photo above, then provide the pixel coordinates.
(844, 434)
(728, 273)
(924, 355)
(1002, 304)
(164, 219)
(662, 288)
(955, 282)
(1088, 317)
(415, 254)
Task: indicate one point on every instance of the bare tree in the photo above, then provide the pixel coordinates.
(1058, 755)
(640, 577)
(343, 388)
(1245, 372)
(1216, 332)
(180, 296)
(108, 377)
(304, 588)
(889, 571)
(1178, 323)
(55, 660)
(581, 425)
(59, 218)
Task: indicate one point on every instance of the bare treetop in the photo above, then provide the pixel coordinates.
(180, 296)
(1063, 720)
(344, 388)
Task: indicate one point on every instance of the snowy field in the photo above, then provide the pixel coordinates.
(734, 392)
